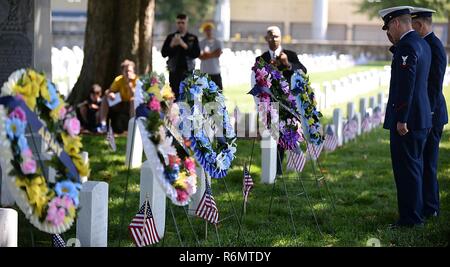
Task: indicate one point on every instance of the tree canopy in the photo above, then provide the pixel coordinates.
(371, 7)
(167, 10)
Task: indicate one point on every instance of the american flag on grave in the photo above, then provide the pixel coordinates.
(365, 124)
(314, 150)
(331, 140)
(247, 184)
(377, 116)
(296, 160)
(143, 228)
(111, 140)
(57, 241)
(207, 208)
(350, 129)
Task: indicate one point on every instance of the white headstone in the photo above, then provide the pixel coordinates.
(338, 125)
(253, 124)
(135, 149)
(92, 221)
(380, 101)
(357, 116)
(6, 198)
(362, 106)
(150, 187)
(372, 102)
(268, 159)
(8, 227)
(350, 110)
(240, 124)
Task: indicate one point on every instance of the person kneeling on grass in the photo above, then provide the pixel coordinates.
(89, 110)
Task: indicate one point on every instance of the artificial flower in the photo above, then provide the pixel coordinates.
(7, 88)
(72, 144)
(15, 128)
(62, 113)
(53, 101)
(166, 148)
(182, 195)
(156, 92)
(27, 153)
(69, 189)
(30, 101)
(36, 189)
(154, 104)
(180, 183)
(23, 143)
(55, 213)
(167, 93)
(189, 164)
(28, 166)
(18, 113)
(44, 92)
(223, 162)
(203, 83)
(82, 167)
(174, 114)
(72, 126)
(36, 77)
(191, 182)
(174, 159)
(55, 113)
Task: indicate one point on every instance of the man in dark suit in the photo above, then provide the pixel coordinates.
(422, 23)
(286, 61)
(408, 113)
(182, 48)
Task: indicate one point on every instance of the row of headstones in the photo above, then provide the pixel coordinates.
(365, 110)
(339, 91)
(92, 219)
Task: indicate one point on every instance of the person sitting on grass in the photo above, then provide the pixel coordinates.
(89, 110)
(121, 89)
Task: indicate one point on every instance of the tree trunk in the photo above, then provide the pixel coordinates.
(116, 30)
(146, 19)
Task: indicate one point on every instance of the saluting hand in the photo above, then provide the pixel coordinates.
(402, 128)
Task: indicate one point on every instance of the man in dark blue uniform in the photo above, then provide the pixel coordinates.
(408, 113)
(422, 23)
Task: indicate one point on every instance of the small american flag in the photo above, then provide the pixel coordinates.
(207, 208)
(331, 140)
(377, 116)
(248, 184)
(365, 124)
(350, 129)
(111, 140)
(314, 150)
(296, 160)
(58, 242)
(143, 227)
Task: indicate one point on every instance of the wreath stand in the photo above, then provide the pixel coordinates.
(178, 233)
(318, 177)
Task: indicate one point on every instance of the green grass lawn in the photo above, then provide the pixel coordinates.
(358, 174)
